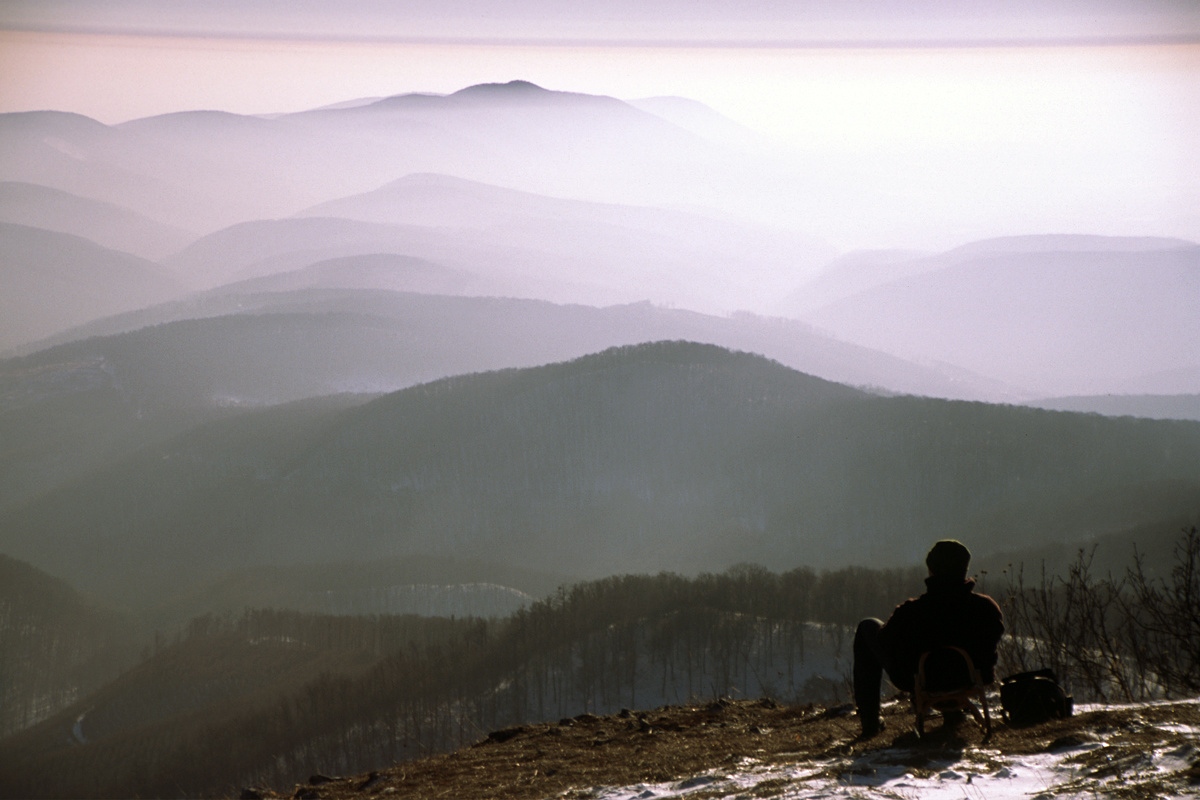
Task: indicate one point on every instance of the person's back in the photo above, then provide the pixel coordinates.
(949, 613)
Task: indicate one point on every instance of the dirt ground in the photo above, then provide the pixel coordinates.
(566, 759)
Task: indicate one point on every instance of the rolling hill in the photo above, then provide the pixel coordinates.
(703, 262)
(389, 272)
(53, 281)
(355, 339)
(663, 456)
(68, 408)
(521, 244)
(1175, 406)
(483, 263)
(55, 645)
(204, 170)
(212, 169)
(862, 270)
(170, 185)
(103, 223)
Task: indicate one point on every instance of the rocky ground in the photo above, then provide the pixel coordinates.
(762, 749)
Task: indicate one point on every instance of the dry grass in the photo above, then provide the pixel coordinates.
(568, 758)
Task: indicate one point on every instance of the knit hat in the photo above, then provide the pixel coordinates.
(948, 557)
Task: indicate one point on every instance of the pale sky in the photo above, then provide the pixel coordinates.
(619, 20)
(1099, 97)
(761, 60)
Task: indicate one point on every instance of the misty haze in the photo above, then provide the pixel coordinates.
(338, 436)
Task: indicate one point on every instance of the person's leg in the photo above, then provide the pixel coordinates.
(868, 674)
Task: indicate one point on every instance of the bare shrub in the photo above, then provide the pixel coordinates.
(1110, 639)
(1162, 619)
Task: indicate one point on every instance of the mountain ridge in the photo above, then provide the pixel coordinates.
(55, 280)
(661, 456)
(106, 224)
(1056, 322)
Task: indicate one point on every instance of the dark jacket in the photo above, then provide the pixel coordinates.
(949, 613)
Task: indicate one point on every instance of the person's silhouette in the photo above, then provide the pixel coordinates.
(949, 613)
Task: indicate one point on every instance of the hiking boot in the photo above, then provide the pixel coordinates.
(871, 728)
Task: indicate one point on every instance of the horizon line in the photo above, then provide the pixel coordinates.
(876, 43)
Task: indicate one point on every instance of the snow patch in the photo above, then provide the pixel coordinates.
(1071, 772)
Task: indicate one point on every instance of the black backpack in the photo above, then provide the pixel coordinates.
(1030, 698)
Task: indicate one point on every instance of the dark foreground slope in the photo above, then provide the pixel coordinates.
(668, 456)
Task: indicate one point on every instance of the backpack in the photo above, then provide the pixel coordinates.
(1030, 698)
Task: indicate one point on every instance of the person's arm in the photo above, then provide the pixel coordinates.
(896, 639)
(990, 631)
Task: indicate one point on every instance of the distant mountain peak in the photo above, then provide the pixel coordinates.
(524, 93)
(511, 88)
(513, 91)
(434, 179)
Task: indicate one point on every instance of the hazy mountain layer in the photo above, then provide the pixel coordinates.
(104, 223)
(388, 272)
(504, 242)
(629, 252)
(666, 456)
(274, 346)
(68, 408)
(208, 170)
(511, 190)
(52, 281)
(204, 169)
(1181, 406)
(863, 270)
(1052, 314)
(161, 180)
(481, 263)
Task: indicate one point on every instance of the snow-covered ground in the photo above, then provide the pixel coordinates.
(1087, 766)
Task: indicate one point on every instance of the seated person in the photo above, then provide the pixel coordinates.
(949, 613)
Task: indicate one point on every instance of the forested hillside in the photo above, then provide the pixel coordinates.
(137, 378)
(663, 456)
(55, 647)
(352, 335)
(62, 419)
(271, 697)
